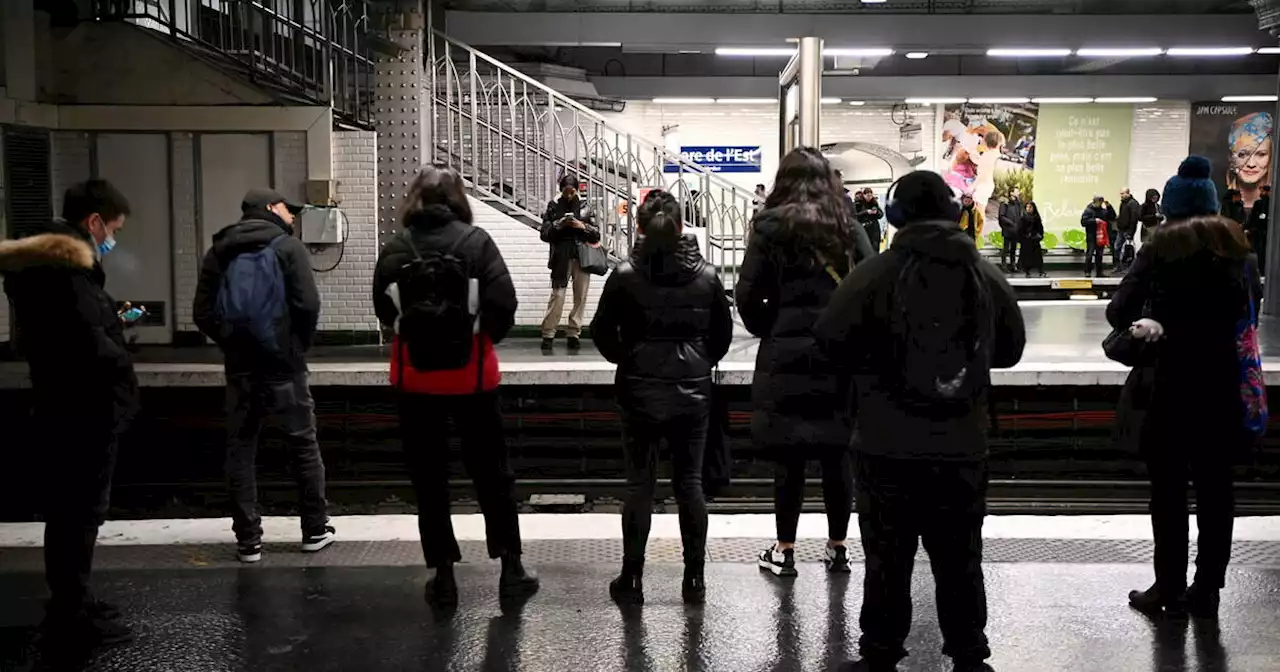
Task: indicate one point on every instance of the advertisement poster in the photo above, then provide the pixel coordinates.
(1237, 138)
(988, 149)
(1084, 150)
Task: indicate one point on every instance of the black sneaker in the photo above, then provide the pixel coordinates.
(837, 560)
(781, 563)
(103, 610)
(1152, 603)
(627, 589)
(548, 345)
(249, 552)
(693, 590)
(319, 540)
(81, 632)
(442, 590)
(574, 344)
(1202, 602)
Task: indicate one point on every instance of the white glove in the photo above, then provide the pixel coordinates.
(1147, 329)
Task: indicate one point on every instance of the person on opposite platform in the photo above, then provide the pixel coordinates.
(1011, 213)
(972, 219)
(1097, 220)
(664, 319)
(919, 328)
(1150, 216)
(84, 394)
(1031, 233)
(1256, 228)
(800, 247)
(1189, 293)
(1127, 221)
(442, 287)
(869, 217)
(257, 299)
(567, 222)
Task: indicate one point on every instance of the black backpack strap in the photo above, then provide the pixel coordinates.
(407, 235)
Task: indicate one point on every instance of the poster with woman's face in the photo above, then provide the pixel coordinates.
(1238, 139)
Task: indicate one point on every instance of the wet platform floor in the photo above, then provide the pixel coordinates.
(1044, 618)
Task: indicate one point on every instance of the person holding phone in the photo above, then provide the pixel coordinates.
(566, 223)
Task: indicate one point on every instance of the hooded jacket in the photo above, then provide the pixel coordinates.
(664, 319)
(563, 239)
(855, 330)
(67, 325)
(255, 230)
(437, 229)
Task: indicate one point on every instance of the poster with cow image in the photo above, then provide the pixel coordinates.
(1237, 138)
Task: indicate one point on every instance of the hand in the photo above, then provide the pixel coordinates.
(1147, 329)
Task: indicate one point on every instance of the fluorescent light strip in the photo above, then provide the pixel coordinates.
(1028, 53)
(917, 55)
(684, 101)
(934, 101)
(1269, 51)
(1062, 101)
(999, 101)
(830, 101)
(1210, 51)
(1134, 99)
(755, 51)
(857, 103)
(746, 101)
(1119, 51)
(1249, 99)
(868, 53)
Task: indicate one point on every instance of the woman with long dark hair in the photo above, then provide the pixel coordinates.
(664, 320)
(800, 247)
(1189, 291)
(1031, 233)
(442, 286)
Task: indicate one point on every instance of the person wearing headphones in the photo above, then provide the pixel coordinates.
(918, 330)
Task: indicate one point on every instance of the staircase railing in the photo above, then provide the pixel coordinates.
(513, 137)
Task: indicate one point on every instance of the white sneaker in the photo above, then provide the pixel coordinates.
(837, 560)
(318, 541)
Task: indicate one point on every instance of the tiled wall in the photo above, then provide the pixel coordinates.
(1161, 133)
(187, 252)
(345, 290)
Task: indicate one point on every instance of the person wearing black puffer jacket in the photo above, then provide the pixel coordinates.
(800, 247)
(664, 319)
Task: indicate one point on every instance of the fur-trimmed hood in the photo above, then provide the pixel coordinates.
(45, 249)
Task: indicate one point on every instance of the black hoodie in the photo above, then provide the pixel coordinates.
(664, 319)
(254, 231)
(855, 330)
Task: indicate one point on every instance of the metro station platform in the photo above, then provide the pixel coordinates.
(1056, 589)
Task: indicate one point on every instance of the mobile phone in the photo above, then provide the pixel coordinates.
(132, 315)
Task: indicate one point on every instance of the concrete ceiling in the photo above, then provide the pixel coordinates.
(854, 7)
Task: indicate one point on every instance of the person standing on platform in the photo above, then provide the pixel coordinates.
(1150, 216)
(84, 394)
(971, 219)
(1257, 226)
(442, 287)
(1127, 222)
(800, 247)
(919, 328)
(257, 299)
(1031, 233)
(1011, 212)
(664, 319)
(567, 223)
(1188, 293)
(1097, 219)
(869, 217)
(1233, 207)
(758, 198)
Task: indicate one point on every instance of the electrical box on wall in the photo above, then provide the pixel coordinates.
(321, 192)
(323, 226)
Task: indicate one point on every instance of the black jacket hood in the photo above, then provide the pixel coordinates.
(253, 232)
(669, 268)
(432, 216)
(940, 240)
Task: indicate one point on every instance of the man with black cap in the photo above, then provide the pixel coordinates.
(257, 300)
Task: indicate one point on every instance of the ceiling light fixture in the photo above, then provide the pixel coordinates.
(872, 52)
(1062, 101)
(1269, 51)
(934, 101)
(874, 2)
(999, 101)
(917, 55)
(857, 103)
(1132, 99)
(1028, 53)
(830, 101)
(1119, 51)
(755, 51)
(1210, 51)
(1249, 99)
(746, 101)
(684, 101)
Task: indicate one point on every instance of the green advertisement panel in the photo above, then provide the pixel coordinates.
(1082, 150)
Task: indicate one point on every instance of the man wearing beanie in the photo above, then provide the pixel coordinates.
(921, 377)
(1190, 193)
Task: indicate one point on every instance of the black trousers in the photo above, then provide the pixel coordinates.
(1092, 254)
(76, 472)
(686, 438)
(875, 235)
(901, 502)
(1009, 254)
(837, 492)
(1210, 471)
(425, 421)
(252, 400)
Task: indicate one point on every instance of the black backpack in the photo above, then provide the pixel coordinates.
(942, 329)
(437, 324)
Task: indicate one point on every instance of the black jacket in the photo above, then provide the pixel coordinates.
(800, 402)
(1092, 213)
(1129, 218)
(1150, 214)
(1234, 211)
(869, 213)
(438, 230)
(253, 232)
(664, 320)
(564, 240)
(68, 327)
(1011, 213)
(855, 330)
(1257, 224)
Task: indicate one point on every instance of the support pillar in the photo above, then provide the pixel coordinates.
(810, 93)
(398, 114)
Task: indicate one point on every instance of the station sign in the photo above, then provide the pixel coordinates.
(720, 159)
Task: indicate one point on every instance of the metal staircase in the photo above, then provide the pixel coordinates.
(512, 137)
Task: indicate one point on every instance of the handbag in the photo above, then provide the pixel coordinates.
(1253, 385)
(1123, 347)
(592, 258)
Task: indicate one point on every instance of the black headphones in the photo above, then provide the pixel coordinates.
(898, 214)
